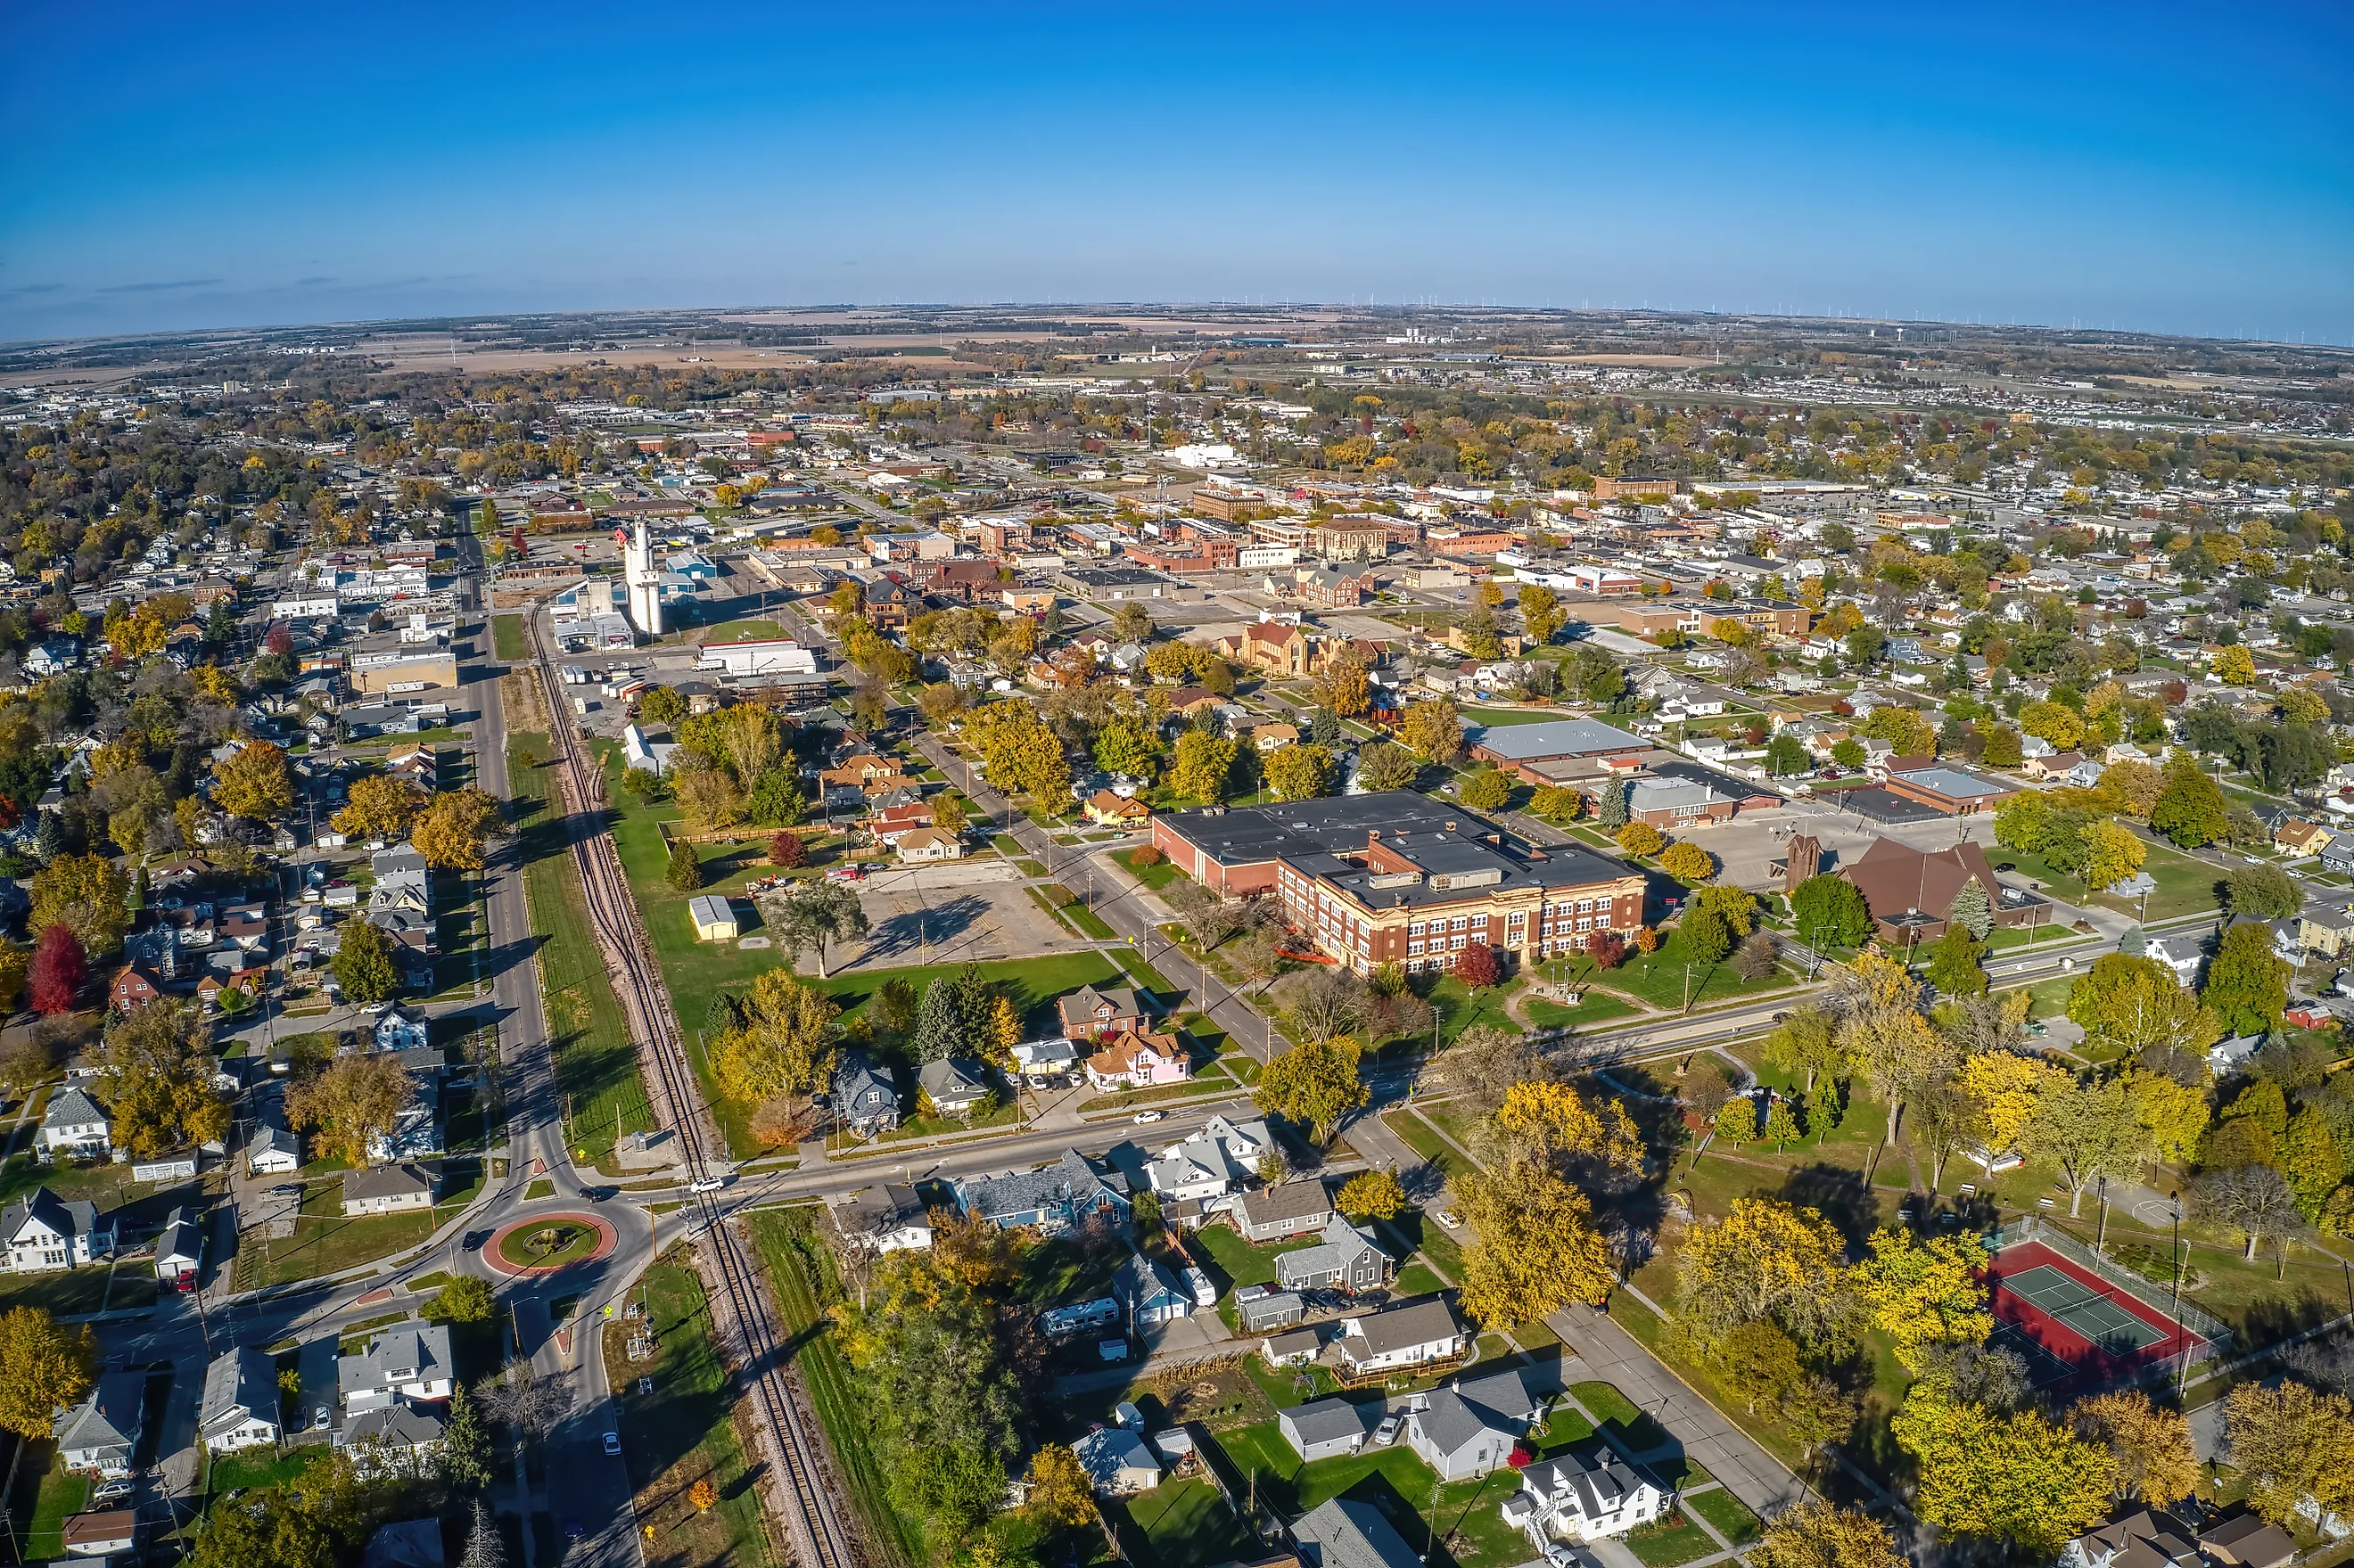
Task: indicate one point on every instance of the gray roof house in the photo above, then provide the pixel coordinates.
(1055, 1199)
(954, 1087)
(240, 1401)
(410, 1362)
(1214, 1161)
(1409, 1334)
(1266, 1308)
(1146, 1294)
(1345, 1533)
(1468, 1428)
(1346, 1258)
(179, 1250)
(97, 1434)
(1584, 1495)
(1326, 1429)
(40, 1231)
(74, 1121)
(392, 1439)
(863, 1100)
(1288, 1209)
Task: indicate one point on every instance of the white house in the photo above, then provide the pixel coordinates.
(927, 844)
(1583, 1497)
(1217, 1160)
(240, 1401)
(1408, 1335)
(42, 1231)
(887, 1216)
(97, 1435)
(1117, 1461)
(74, 1124)
(397, 1439)
(410, 1362)
(398, 1031)
(387, 1190)
(275, 1148)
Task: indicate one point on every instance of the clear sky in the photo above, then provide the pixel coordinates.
(2138, 163)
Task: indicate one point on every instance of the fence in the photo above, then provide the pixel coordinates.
(2148, 1292)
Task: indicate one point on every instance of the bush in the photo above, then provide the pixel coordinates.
(1144, 855)
(788, 850)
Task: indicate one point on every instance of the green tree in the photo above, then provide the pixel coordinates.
(2261, 893)
(1381, 766)
(817, 912)
(362, 965)
(1971, 911)
(1300, 772)
(1541, 613)
(685, 873)
(1486, 789)
(2191, 810)
(1829, 911)
(2247, 987)
(464, 1456)
(1610, 813)
(2136, 1006)
(1954, 966)
(1314, 1083)
(1785, 755)
(1204, 767)
(1848, 754)
(1706, 938)
(464, 1299)
(2090, 1131)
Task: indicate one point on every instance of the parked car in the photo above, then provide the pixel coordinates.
(113, 1489)
(1386, 1432)
(1449, 1218)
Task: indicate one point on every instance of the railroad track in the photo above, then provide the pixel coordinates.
(813, 1517)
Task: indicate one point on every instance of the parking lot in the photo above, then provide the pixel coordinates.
(953, 912)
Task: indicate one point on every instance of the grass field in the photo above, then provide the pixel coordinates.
(1723, 1510)
(596, 1063)
(325, 1242)
(1659, 978)
(1155, 876)
(1185, 1524)
(1471, 1527)
(2185, 885)
(509, 645)
(683, 1433)
(1666, 1542)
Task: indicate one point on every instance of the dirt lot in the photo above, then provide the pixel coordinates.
(954, 912)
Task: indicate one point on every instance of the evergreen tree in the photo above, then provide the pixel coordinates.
(1324, 729)
(1971, 910)
(465, 1454)
(49, 838)
(2134, 944)
(685, 867)
(940, 1028)
(976, 1001)
(1613, 815)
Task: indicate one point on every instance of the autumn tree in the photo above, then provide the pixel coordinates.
(1486, 789)
(1547, 1122)
(1371, 1195)
(2288, 1442)
(1478, 966)
(357, 1100)
(1345, 687)
(1687, 863)
(362, 965)
(1541, 613)
(2246, 986)
(1819, 1534)
(252, 782)
(1433, 729)
(381, 807)
(87, 894)
(2255, 1200)
(2136, 1006)
(782, 1044)
(156, 1080)
(1300, 772)
(1315, 1084)
(1061, 1494)
(45, 1367)
(1764, 1260)
(1534, 1248)
(2090, 1129)
(58, 973)
(1925, 1292)
(2155, 1464)
(1642, 839)
(1204, 767)
(2112, 854)
(451, 832)
(2014, 1476)
(466, 1299)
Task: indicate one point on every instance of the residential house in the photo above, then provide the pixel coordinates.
(1070, 1191)
(101, 1535)
(98, 1433)
(863, 1100)
(1041, 1058)
(2228, 1055)
(887, 1217)
(866, 771)
(41, 1232)
(1106, 809)
(2140, 1540)
(1345, 1258)
(132, 988)
(179, 1251)
(410, 1362)
(1585, 1494)
(2337, 854)
(397, 1439)
(1117, 1461)
(924, 846)
(953, 1087)
(2248, 1541)
(1343, 1533)
(74, 1124)
(1138, 1059)
(1285, 1209)
(400, 1030)
(387, 1190)
(2184, 953)
(1090, 1014)
(2296, 836)
(1413, 1333)
(1146, 1293)
(1329, 1428)
(1212, 1162)
(2325, 931)
(275, 1148)
(891, 823)
(240, 1409)
(1471, 1426)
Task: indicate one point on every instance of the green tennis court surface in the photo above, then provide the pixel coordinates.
(2084, 1310)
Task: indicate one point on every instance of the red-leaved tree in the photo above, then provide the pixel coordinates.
(1476, 966)
(787, 850)
(279, 641)
(1607, 949)
(58, 970)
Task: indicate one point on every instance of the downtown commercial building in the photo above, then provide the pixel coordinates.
(1401, 878)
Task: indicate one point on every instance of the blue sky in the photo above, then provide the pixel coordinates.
(2146, 165)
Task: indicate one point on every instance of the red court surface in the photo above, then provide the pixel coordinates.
(2059, 1351)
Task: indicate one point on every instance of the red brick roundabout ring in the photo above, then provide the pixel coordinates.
(492, 1254)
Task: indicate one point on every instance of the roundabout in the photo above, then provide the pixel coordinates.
(547, 1243)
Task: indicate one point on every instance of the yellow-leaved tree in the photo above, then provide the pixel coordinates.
(45, 1367)
(2003, 1090)
(1765, 1261)
(1549, 1122)
(2154, 1460)
(2011, 1478)
(783, 1043)
(1925, 1293)
(1535, 1248)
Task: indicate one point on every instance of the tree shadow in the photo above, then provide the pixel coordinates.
(911, 930)
(1841, 1198)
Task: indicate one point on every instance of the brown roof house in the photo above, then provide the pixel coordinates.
(1911, 892)
(1089, 1013)
(1108, 810)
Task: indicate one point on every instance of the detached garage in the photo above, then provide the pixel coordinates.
(1328, 1429)
(714, 917)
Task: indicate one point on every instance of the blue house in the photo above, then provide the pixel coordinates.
(1067, 1194)
(1146, 1294)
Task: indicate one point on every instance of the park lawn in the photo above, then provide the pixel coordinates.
(1493, 718)
(596, 1061)
(1728, 1513)
(1156, 877)
(509, 645)
(1185, 1524)
(800, 1276)
(683, 1433)
(1240, 1261)
(1659, 978)
(748, 631)
(2185, 885)
(1597, 1007)
(1459, 1007)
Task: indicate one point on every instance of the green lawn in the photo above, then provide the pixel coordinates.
(1666, 1542)
(1241, 1262)
(1723, 1510)
(1620, 1419)
(1659, 978)
(1597, 1007)
(1425, 1141)
(2185, 885)
(508, 642)
(1156, 877)
(748, 631)
(58, 1493)
(1494, 717)
(1185, 1524)
(684, 1432)
(596, 1061)
(325, 1242)
(1470, 1527)
(1459, 1007)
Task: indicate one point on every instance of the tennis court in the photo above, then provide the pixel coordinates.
(2087, 1312)
(2043, 1368)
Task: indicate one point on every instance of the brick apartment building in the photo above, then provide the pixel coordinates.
(1401, 878)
